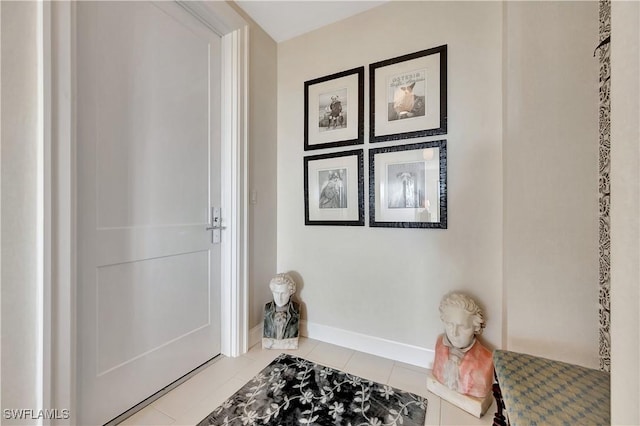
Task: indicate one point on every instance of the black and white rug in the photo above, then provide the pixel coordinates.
(294, 391)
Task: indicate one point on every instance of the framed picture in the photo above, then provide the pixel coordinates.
(334, 189)
(334, 110)
(409, 96)
(408, 186)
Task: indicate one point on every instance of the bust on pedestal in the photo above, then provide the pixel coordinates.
(463, 368)
(281, 316)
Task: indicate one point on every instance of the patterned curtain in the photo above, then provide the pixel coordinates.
(604, 189)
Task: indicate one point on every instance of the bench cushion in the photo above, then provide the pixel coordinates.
(539, 391)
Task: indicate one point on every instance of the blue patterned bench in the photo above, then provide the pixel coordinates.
(539, 391)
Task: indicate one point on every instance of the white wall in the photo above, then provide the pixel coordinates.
(550, 156)
(262, 166)
(386, 282)
(262, 169)
(20, 348)
(625, 213)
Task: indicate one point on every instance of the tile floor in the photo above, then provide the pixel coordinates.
(196, 398)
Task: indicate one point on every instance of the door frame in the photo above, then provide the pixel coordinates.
(59, 344)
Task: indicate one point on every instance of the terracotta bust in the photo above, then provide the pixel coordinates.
(281, 315)
(461, 362)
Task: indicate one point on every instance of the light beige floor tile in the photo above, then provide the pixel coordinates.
(255, 351)
(452, 415)
(258, 354)
(195, 399)
(370, 367)
(148, 416)
(433, 410)
(415, 382)
(409, 380)
(412, 367)
(203, 408)
(182, 398)
(330, 355)
(256, 364)
(305, 346)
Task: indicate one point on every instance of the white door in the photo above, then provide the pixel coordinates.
(148, 138)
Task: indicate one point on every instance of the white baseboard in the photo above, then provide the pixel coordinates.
(390, 349)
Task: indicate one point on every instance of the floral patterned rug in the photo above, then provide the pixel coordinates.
(294, 391)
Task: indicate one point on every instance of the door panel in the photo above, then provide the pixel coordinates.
(148, 106)
(131, 296)
(155, 74)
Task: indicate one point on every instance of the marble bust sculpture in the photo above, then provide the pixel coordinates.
(461, 363)
(281, 315)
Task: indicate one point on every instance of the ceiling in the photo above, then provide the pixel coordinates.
(284, 20)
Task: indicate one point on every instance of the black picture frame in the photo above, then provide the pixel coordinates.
(392, 166)
(416, 110)
(347, 130)
(334, 189)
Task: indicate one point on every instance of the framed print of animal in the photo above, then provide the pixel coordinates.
(408, 96)
(408, 186)
(334, 189)
(334, 110)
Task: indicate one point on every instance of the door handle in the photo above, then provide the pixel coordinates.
(216, 225)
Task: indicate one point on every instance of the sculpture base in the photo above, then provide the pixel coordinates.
(268, 343)
(470, 404)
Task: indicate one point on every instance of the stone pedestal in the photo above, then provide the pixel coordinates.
(269, 343)
(472, 405)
